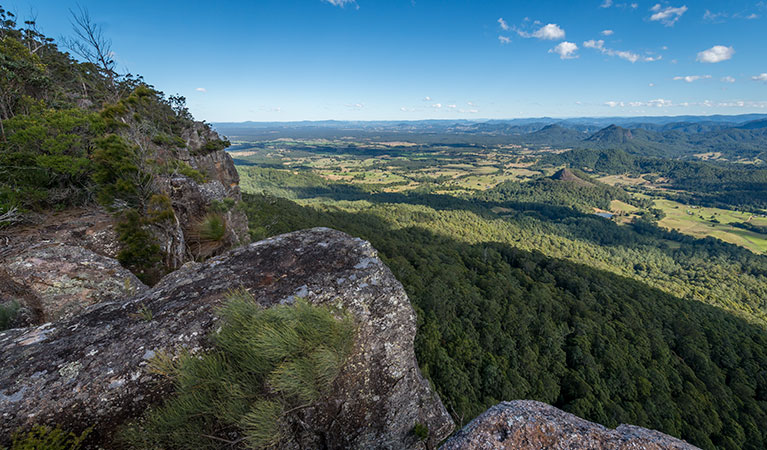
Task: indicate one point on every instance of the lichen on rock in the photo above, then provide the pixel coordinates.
(90, 369)
(531, 425)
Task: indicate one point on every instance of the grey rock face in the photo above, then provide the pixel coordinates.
(90, 369)
(525, 424)
(56, 280)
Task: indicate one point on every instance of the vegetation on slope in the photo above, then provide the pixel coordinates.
(725, 185)
(265, 365)
(73, 133)
(508, 308)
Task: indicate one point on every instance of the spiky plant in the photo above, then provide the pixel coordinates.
(265, 365)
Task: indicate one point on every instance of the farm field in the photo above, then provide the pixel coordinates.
(713, 222)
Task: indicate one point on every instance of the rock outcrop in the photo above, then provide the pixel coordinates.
(52, 281)
(530, 425)
(192, 200)
(89, 370)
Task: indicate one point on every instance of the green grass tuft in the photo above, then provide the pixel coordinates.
(8, 313)
(44, 438)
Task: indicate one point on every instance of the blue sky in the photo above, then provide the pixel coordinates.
(280, 60)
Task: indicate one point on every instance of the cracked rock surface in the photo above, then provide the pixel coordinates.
(525, 424)
(61, 280)
(89, 370)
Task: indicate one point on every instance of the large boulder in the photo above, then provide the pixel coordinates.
(90, 370)
(530, 425)
(56, 280)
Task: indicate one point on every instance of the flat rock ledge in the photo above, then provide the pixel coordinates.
(525, 424)
(89, 370)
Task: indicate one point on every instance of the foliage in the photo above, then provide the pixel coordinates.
(583, 196)
(42, 437)
(498, 322)
(139, 252)
(421, 431)
(265, 365)
(8, 312)
(697, 182)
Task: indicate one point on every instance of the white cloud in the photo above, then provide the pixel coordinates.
(667, 16)
(468, 111)
(660, 103)
(599, 45)
(565, 50)
(753, 16)
(628, 56)
(452, 106)
(715, 54)
(714, 17)
(606, 4)
(692, 78)
(651, 84)
(437, 105)
(201, 90)
(341, 3)
(607, 33)
(355, 106)
(427, 99)
(503, 24)
(728, 79)
(550, 32)
(504, 39)
(761, 77)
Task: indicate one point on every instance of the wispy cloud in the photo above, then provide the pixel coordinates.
(355, 106)
(607, 32)
(692, 78)
(657, 103)
(503, 24)
(437, 106)
(715, 54)
(504, 39)
(623, 54)
(610, 4)
(201, 89)
(427, 99)
(761, 77)
(565, 50)
(668, 16)
(342, 3)
(728, 79)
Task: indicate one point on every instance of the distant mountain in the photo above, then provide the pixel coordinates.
(554, 134)
(754, 125)
(612, 135)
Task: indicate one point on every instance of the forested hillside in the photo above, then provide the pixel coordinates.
(708, 183)
(548, 303)
(76, 133)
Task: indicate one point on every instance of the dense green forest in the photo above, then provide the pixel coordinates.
(572, 189)
(553, 304)
(718, 184)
